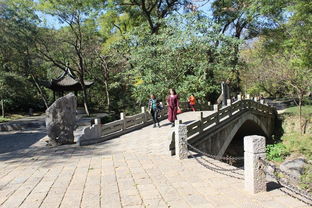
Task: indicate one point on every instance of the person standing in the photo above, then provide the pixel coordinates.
(173, 105)
(154, 107)
(192, 102)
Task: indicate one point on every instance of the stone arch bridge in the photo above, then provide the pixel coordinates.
(211, 131)
(213, 134)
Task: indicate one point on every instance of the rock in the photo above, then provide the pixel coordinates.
(294, 167)
(61, 120)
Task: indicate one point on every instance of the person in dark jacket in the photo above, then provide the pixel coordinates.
(154, 108)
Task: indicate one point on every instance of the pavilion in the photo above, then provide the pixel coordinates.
(67, 82)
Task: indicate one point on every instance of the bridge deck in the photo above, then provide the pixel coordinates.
(134, 170)
(148, 139)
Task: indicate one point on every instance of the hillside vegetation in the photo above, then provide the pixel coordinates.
(292, 143)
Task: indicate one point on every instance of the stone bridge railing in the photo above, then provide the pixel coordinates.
(204, 124)
(101, 132)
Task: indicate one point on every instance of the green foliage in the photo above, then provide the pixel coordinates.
(16, 93)
(280, 61)
(276, 152)
(2, 120)
(133, 49)
(188, 54)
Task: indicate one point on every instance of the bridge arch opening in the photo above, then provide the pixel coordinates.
(236, 146)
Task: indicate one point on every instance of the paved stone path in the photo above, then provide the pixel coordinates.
(12, 141)
(134, 170)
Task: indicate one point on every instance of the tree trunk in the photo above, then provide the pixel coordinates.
(300, 114)
(40, 92)
(235, 71)
(105, 72)
(107, 95)
(2, 108)
(85, 99)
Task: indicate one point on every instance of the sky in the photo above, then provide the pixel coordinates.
(50, 21)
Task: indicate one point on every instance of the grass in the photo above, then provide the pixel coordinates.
(297, 144)
(306, 110)
(2, 120)
(10, 117)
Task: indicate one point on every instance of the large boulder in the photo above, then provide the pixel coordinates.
(61, 120)
(294, 167)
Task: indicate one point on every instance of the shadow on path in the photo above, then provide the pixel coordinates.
(19, 140)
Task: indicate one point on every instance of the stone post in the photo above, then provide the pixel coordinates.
(254, 147)
(123, 119)
(239, 97)
(229, 103)
(216, 109)
(97, 131)
(143, 110)
(200, 118)
(177, 122)
(97, 121)
(180, 138)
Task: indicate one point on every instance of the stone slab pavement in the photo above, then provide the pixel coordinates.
(134, 170)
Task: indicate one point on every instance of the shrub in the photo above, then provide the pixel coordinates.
(277, 152)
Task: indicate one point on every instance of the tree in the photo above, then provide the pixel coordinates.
(245, 19)
(286, 52)
(18, 23)
(153, 11)
(78, 39)
(13, 90)
(179, 57)
(257, 72)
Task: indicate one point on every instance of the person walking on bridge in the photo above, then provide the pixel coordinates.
(173, 106)
(154, 108)
(192, 102)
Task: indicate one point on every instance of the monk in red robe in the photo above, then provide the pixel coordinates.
(173, 105)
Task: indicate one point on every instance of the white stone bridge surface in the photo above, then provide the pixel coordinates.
(133, 170)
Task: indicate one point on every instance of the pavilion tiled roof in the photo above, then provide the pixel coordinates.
(66, 82)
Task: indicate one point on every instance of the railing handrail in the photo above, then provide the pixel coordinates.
(136, 120)
(229, 110)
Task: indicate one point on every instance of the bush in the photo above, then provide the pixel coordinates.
(276, 152)
(307, 101)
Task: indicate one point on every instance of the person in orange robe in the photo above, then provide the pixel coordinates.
(192, 102)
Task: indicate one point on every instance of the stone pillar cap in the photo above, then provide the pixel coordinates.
(254, 144)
